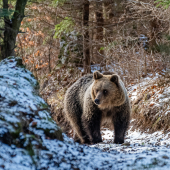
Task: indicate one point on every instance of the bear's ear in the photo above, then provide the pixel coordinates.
(97, 75)
(114, 78)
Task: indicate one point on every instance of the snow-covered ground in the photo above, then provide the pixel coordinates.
(140, 150)
(28, 134)
(143, 152)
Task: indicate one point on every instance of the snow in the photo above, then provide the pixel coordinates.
(141, 150)
(14, 159)
(134, 90)
(161, 95)
(19, 102)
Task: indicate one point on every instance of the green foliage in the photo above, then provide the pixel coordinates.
(65, 26)
(102, 48)
(111, 45)
(11, 2)
(6, 12)
(164, 3)
(164, 46)
(58, 2)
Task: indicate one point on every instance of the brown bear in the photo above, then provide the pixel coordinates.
(94, 99)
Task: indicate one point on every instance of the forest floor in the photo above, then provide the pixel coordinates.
(31, 140)
(140, 150)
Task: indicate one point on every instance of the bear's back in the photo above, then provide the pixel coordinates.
(75, 93)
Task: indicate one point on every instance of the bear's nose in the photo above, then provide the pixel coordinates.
(97, 101)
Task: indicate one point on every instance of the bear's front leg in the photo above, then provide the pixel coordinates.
(91, 120)
(121, 123)
(92, 128)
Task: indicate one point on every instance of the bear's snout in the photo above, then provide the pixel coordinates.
(97, 101)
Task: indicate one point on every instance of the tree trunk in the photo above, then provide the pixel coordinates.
(153, 33)
(99, 34)
(12, 27)
(86, 47)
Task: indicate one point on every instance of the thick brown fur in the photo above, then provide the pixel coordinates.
(96, 98)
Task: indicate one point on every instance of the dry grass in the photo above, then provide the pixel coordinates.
(150, 111)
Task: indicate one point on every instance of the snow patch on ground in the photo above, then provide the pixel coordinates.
(135, 89)
(140, 150)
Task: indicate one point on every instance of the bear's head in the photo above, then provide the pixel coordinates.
(107, 90)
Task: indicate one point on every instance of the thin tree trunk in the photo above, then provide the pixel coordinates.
(99, 32)
(86, 47)
(153, 33)
(49, 58)
(12, 27)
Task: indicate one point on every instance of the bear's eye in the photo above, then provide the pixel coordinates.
(105, 91)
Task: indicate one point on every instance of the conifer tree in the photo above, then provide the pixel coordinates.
(11, 27)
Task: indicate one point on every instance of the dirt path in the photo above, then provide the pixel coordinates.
(140, 151)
